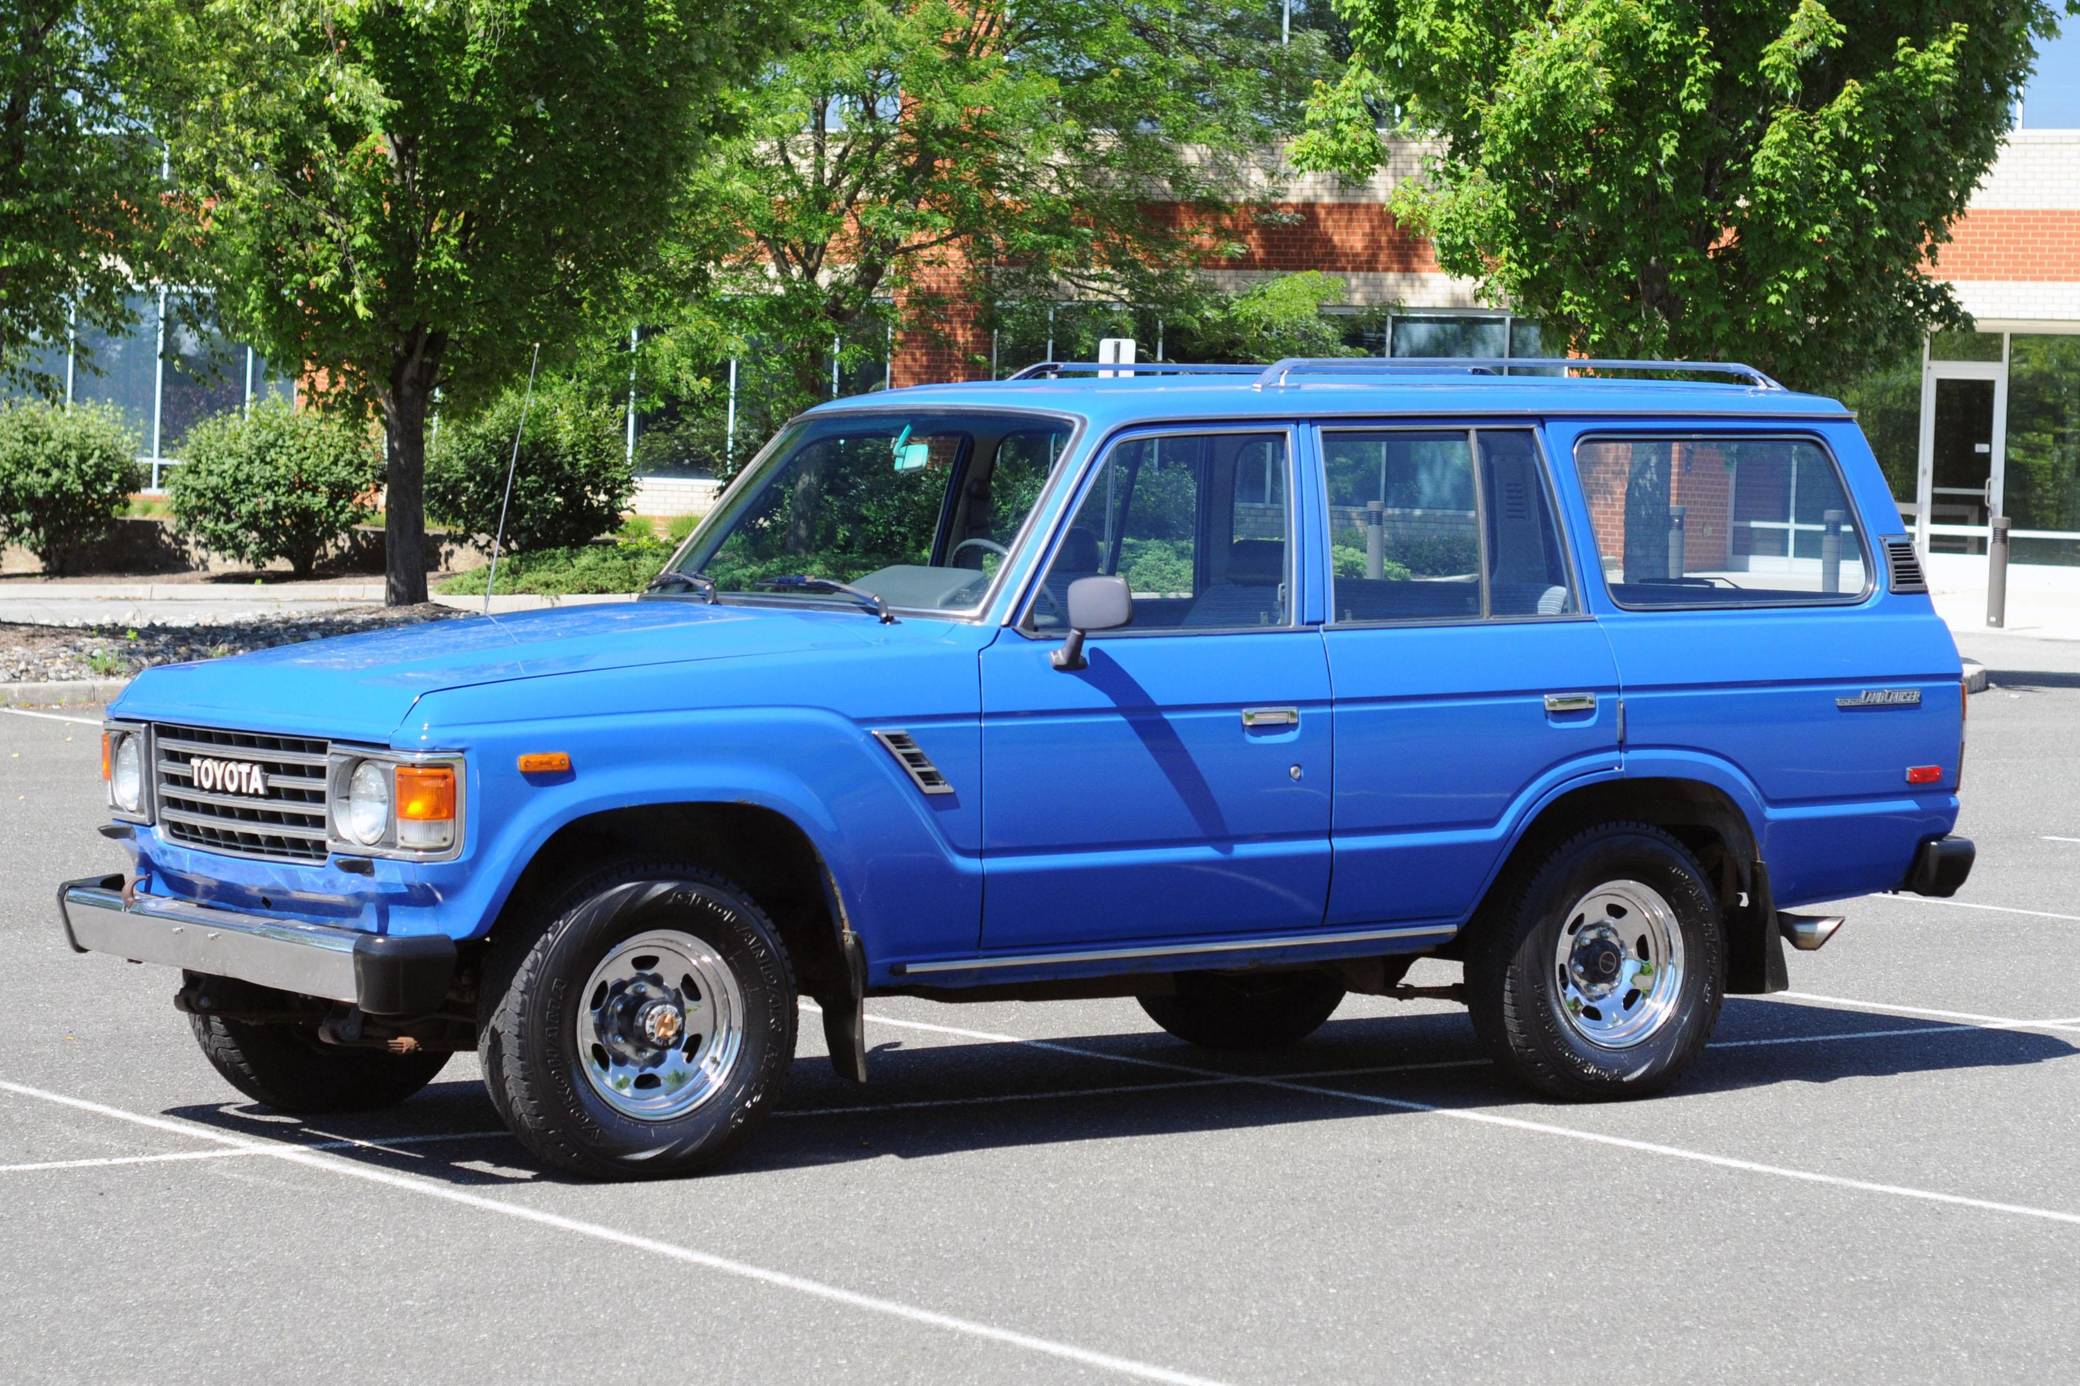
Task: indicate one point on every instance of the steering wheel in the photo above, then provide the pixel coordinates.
(992, 545)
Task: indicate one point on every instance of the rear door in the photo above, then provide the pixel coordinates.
(1467, 677)
(1178, 787)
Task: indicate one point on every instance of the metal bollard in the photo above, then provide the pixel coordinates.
(1831, 552)
(1676, 542)
(1997, 570)
(1375, 539)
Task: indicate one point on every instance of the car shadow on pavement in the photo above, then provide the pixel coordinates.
(955, 1096)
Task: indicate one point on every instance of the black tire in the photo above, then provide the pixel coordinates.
(1515, 992)
(533, 998)
(286, 1067)
(1242, 1010)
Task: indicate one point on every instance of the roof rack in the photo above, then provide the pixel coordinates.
(1277, 373)
(1049, 370)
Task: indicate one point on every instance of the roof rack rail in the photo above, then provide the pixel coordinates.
(1277, 373)
(1048, 370)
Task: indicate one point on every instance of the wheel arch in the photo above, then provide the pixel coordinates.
(760, 849)
(1706, 817)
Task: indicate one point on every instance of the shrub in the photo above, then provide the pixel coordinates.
(274, 483)
(571, 485)
(1156, 567)
(66, 474)
(594, 568)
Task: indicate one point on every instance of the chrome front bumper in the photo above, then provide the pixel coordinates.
(382, 974)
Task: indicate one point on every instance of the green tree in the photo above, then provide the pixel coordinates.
(922, 151)
(1684, 178)
(1268, 321)
(404, 197)
(81, 215)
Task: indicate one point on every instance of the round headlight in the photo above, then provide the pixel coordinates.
(368, 804)
(126, 775)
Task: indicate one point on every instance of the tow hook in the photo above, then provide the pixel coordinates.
(1808, 932)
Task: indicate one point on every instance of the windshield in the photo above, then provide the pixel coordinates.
(918, 509)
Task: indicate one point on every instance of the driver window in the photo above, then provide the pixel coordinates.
(1197, 524)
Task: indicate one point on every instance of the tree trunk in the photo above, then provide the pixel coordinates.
(404, 405)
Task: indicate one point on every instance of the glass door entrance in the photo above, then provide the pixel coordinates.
(1962, 410)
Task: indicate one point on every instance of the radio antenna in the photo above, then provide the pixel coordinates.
(498, 540)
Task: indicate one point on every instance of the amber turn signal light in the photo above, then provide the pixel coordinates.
(545, 763)
(106, 773)
(425, 793)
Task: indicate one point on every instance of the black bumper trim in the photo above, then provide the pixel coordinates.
(1941, 865)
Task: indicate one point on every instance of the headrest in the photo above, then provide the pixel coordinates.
(1256, 560)
(1079, 551)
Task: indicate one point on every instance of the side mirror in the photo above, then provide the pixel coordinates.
(1095, 603)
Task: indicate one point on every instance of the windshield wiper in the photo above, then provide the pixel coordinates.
(673, 578)
(803, 582)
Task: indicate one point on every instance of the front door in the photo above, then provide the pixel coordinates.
(1177, 788)
(1963, 410)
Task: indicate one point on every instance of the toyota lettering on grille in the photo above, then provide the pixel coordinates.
(229, 776)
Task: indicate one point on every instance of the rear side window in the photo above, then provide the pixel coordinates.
(1443, 525)
(1721, 521)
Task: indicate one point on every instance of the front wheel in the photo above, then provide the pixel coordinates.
(642, 1026)
(1602, 975)
(288, 1068)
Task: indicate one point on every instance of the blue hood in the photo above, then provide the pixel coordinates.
(361, 687)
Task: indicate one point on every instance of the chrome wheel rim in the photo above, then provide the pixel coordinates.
(1619, 964)
(660, 1025)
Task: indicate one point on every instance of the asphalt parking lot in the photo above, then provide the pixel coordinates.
(1874, 1177)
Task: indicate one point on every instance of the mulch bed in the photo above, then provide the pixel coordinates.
(32, 653)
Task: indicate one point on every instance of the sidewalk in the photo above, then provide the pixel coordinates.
(2043, 601)
(209, 604)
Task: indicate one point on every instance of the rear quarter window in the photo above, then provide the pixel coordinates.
(1722, 521)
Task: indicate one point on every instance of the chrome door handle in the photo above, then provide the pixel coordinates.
(1570, 702)
(1271, 717)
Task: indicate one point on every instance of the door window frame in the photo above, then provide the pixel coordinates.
(1087, 480)
(1325, 564)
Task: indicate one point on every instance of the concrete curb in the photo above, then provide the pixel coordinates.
(344, 593)
(1974, 676)
(61, 693)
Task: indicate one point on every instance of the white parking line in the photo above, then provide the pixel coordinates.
(1988, 1022)
(383, 1143)
(1975, 905)
(2049, 838)
(53, 716)
(1521, 1124)
(426, 1188)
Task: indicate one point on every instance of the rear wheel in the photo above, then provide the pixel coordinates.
(642, 1028)
(288, 1068)
(1241, 1010)
(1603, 973)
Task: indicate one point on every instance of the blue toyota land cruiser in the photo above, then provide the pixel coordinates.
(1230, 689)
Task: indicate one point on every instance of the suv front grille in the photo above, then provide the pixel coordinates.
(287, 823)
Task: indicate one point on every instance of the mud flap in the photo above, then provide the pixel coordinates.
(845, 1015)
(1755, 950)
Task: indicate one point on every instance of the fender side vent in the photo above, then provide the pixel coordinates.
(914, 761)
(1905, 566)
